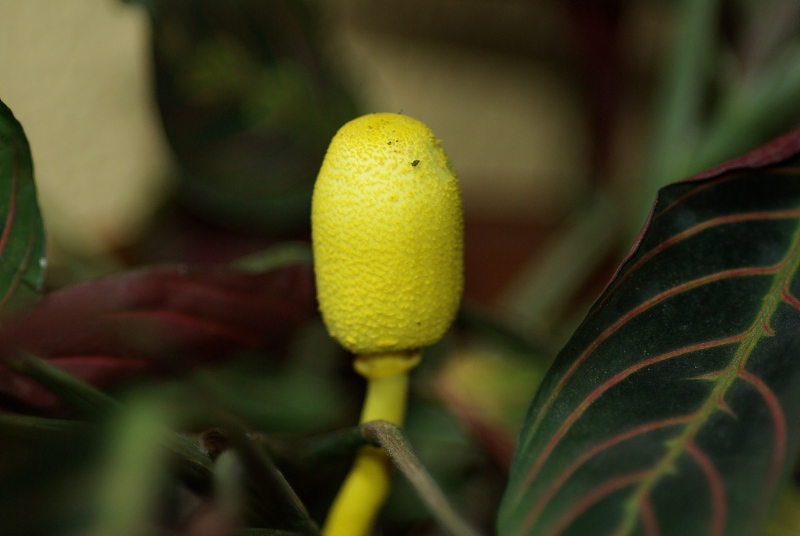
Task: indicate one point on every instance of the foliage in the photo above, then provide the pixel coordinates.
(180, 398)
(673, 408)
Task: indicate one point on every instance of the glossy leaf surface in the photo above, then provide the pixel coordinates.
(22, 244)
(675, 407)
(157, 321)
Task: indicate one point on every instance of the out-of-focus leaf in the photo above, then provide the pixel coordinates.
(288, 252)
(81, 396)
(248, 104)
(46, 469)
(675, 407)
(785, 518)
(133, 477)
(22, 244)
(157, 321)
(487, 391)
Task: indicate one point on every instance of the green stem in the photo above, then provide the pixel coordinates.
(25, 424)
(681, 97)
(538, 297)
(277, 256)
(367, 485)
(193, 465)
(752, 112)
(84, 397)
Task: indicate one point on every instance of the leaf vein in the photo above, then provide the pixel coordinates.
(565, 475)
(12, 202)
(628, 316)
(719, 503)
(594, 496)
(700, 227)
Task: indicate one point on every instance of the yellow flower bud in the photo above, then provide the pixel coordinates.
(388, 238)
(388, 235)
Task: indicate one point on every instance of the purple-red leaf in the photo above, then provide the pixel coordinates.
(675, 407)
(157, 321)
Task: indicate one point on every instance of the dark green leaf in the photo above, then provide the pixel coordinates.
(248, 104)
(22, 245)
(675, 407)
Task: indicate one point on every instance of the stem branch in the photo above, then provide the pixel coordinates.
(393, 441)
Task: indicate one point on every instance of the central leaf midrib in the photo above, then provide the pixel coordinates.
(723, 382)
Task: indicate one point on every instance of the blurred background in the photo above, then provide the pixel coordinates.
(548, 110)
(507, 86)
(191, 131)
(228, 106)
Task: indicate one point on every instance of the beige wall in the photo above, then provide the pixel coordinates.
(75, 74)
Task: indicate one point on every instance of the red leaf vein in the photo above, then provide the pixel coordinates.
(12, 203)
(628, 316)
(565, 475)
(595, 495)
(779, 428)
(608, 384)
(700, 227)
(12, 287)
(648, 514)
(719, 503)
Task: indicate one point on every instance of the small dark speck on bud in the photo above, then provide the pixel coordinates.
(414, 163)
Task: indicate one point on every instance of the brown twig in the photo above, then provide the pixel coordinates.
(391, 438)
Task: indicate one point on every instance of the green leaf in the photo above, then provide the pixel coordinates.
(675, 407)
(128, 491)
(785, 518)
(22, 244)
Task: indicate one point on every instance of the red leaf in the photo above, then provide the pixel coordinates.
(770, 153)
(156, 321)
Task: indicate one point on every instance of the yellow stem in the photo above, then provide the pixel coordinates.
(366, 487)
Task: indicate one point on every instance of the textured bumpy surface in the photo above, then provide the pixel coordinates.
(387, 231)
